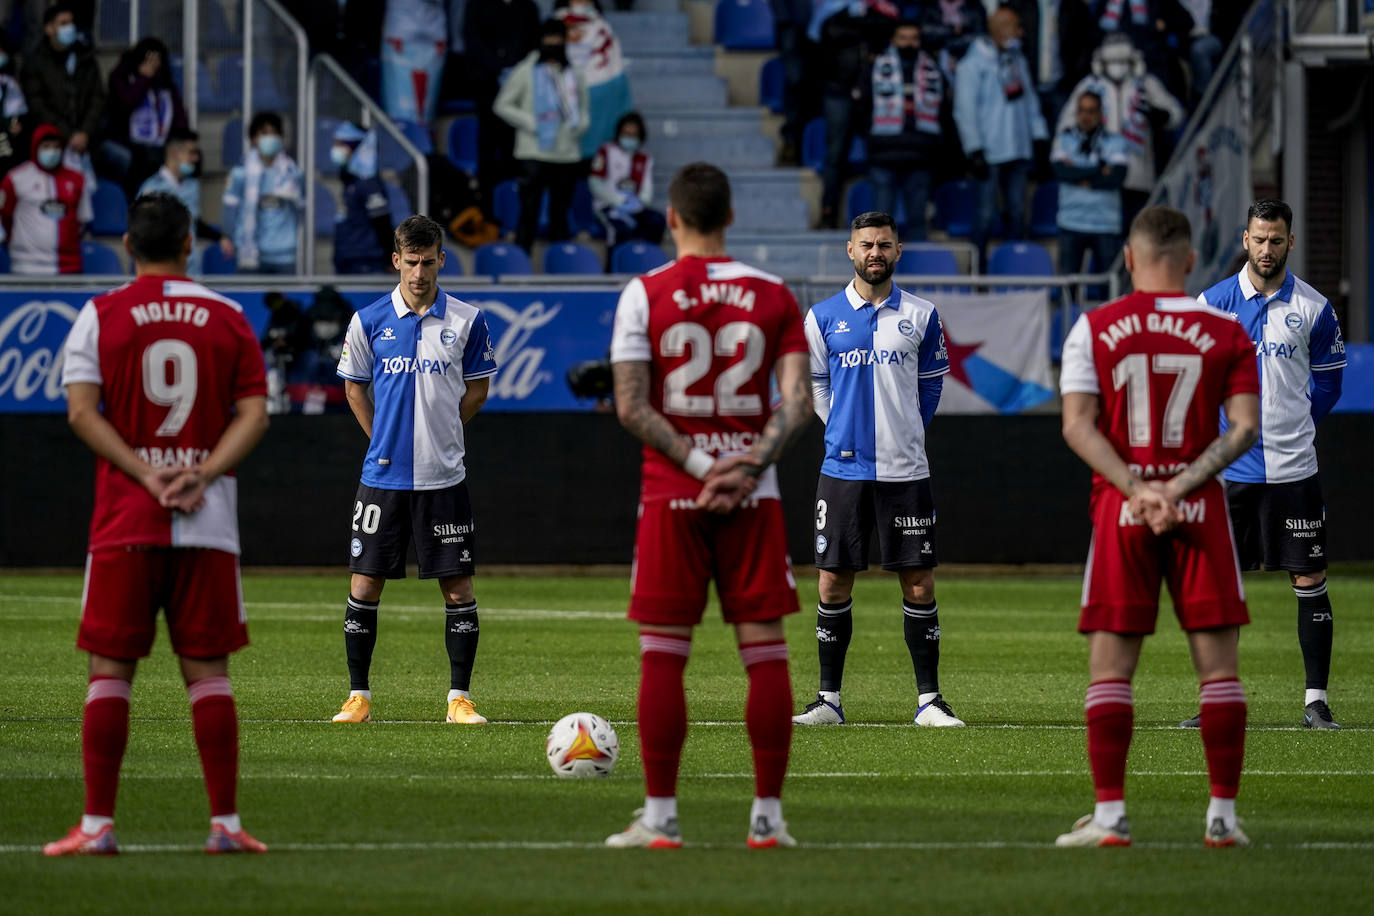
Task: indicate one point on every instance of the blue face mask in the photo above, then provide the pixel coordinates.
(269, 145)
(66, 35)
(49, 158)
(187, 169)
(629, 144)
(339, 155)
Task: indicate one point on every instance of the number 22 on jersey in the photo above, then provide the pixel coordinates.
(696, 342)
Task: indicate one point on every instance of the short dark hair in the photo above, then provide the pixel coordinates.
(553, 26)
(418, 233)
(263, 120)
(700, 195)
(1090, 92)
(633, 117)
(1164, 229)
(57, 9)
(873, 219)
(1270, 210)
(182, 135)
(158, 226)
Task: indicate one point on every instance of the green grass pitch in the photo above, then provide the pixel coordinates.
(409, 815)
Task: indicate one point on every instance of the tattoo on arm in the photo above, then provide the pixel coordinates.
(1223, 450)
(639, 417)
(786, 424)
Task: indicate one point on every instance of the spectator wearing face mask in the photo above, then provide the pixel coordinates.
(622, 185)
(363, 234)
(262, 202)
(62, 81)
(180, 177)
(13, 107)
(1090, 164)
(546, 102)
(44, 209)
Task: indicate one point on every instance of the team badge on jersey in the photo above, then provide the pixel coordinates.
(906, 327)
(1293, 320)
(448, 337)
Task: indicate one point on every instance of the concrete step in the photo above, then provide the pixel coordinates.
(748, 152)
(679, 91)
(640, 32)
(657, 6)
(701, 123)
(688, 62)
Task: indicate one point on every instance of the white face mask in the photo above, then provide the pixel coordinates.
(338, 155)
(1117, 70)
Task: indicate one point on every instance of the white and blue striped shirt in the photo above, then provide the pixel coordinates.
(419, 367)
(1296, 334)
(867, 363)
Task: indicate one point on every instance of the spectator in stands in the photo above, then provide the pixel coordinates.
(1000, 124)
(1149, 24)
(62, 81)
(145, 105)
(622, 185)
(594, 52)
(911, 129)
(849, 36)
(790, 19)
(546, 102)
(13, 107)
(363, 234)
(1204, 48)
(498, 35)
(180, 177)
(948, 27)
(414, 44)
(44, 209)
(262, 201)
(1090, 165)
(1133, 100)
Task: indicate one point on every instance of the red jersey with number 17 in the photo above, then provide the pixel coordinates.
(171, 358)
(1161, 365)
(711, 330)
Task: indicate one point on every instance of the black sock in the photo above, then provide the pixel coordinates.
(834, 628)
(921, 626)
(1315, 627)
(460, 638)
(360, 638)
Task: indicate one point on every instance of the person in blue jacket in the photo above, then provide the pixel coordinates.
(262, 201)
(363, 233)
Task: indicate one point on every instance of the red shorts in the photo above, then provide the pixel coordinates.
(1197, 560)
(679, 548)
(197, 587)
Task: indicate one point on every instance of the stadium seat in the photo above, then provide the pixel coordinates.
(859, 199)
(928, 262)
(495, 259)
(581, 217)
(744, 25)
(1057, 329)
(1020, 258)
(231, 148)
(326, 211)
(956, 207)
(814, 142)
(97, 258)
(399, 202)
(1045, 211)
(463, 144)
(267, 96)
(213, 261)
(391, 155)
(111, 209)
(453, 267)
(208, 97)
(571, 258)
(771, 85)
(636, 258)
(505, 204)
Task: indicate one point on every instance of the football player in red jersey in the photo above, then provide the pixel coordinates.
(1143, 380)
(165, 383)
(695, 344)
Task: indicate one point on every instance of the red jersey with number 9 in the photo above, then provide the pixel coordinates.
(1161, 365)
(171, 358)
(711, 330)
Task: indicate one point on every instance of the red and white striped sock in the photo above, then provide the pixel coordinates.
(104, 735)
(1110, 709)
(768, 713)
(216, 726)
(662, 710)
(1222, 714)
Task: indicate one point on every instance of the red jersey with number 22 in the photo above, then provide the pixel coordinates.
(1161, 365)
(711, 330)
(171, 358)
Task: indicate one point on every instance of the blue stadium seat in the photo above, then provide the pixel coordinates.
(581, 216)
(97, 258)
(399, 202)
(928, 262)
(111, 208)
(505, 204)
(860, 199)
(453, 267)
(636, 257)
(956, 207)
(1023, 258)
(463, 144)
(231, 147)
(213, 261)
(1045, 211)
(1057, 329)
(497, 258)
(390, 154)
(326, 211)
(814, 142)
(571, 258)
(744, 25)
(267, 96)
(771, 84)
(208, 96)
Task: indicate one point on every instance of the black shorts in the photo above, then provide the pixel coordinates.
(1281, 525)
(439, 521)
(847, 510)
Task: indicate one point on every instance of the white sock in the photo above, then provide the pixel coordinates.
(830, 696)
(365, 694)
(455, 694)
(1224, 808)
(91, 824)
(230, 822)
(925, 698)
(1314, 695)
(658, 811)
(1107, 813)
(770, 809)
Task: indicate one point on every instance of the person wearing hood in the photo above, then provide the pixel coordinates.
(13, 107)
(62, 82)
(363, 234)
(180, 177)
(1000, 123)
(145, 106)
(262, 202)
(44, 209)
(545, 100)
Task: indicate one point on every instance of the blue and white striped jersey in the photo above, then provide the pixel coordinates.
(419, 367)
(866, 365)
(1296, 334)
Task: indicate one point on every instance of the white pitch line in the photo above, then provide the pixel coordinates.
(549, 777)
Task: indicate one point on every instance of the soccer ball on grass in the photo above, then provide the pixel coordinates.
(582, 745)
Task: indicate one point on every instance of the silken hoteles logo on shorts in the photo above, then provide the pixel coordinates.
(31, 339)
